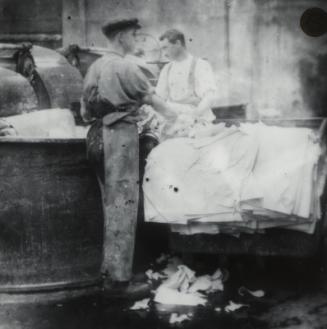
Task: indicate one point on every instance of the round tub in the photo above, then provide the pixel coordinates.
(50, 218)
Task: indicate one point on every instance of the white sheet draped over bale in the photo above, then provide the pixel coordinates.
(251, 177)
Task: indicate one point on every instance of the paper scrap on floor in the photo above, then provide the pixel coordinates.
(238, 179)
(184, 288)
(231, 307)
(154, 276)
(178, 318)
(141, 305)
(242, 291)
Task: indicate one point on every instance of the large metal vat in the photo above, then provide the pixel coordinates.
(50, 218)
(42, 76)
(16, 94)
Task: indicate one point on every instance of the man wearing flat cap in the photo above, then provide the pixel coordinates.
(114, 90)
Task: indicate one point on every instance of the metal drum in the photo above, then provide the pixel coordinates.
(42, 76)
(50, 219)
(16, 94)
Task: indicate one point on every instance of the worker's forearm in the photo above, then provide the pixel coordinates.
(84, 113)
(205, 104)
(160, 106)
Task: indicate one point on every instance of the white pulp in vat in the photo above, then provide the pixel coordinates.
(50, 123)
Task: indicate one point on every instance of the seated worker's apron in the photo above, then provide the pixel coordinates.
(113, 149)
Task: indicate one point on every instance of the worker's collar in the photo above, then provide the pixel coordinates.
(115, 50)
(186, 57)
(116, 53)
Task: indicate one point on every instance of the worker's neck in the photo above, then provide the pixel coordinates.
(115, 47)
(182, 55)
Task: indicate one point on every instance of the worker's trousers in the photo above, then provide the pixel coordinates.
(114, 153)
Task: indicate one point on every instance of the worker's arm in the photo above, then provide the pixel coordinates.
(86, 116)
(205, 104)
(137, 84)
(160, 106)
(205, 85)
(89, 92)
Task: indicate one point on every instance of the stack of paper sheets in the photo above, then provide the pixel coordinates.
(241, 179)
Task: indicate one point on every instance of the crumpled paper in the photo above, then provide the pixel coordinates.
(231, 307)
(169, 296)
(255, 293)
(202, 283)
(151, 275)
(207, 284)
(172, 266)
(141, 305)
(180, 280)
(150, 120)
(184, 288)
(175, 318)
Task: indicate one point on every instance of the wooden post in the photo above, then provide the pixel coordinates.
(73, 22)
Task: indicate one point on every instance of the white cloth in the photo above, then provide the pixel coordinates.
(286, 162)
(188, 179)
(49, 123)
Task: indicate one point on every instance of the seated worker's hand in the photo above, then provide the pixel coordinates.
(199, 128)
(200, 121)
(186, 120)
(160, 106)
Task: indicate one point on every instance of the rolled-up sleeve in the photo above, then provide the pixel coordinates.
(136, 85)
(204, 78)
(90, 81)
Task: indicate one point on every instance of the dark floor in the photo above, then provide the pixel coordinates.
(296, 297)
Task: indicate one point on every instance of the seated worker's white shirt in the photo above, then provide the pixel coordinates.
(173, 84)
(183, 85)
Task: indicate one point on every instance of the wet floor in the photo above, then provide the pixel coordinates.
(295, 297)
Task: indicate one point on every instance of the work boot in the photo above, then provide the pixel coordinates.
(126, 290)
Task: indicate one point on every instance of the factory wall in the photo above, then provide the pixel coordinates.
(289, 66)
(38, 21)
(259, 53)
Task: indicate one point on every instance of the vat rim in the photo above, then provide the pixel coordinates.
(41, 140)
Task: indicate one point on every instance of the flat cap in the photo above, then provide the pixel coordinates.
(120, 25)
